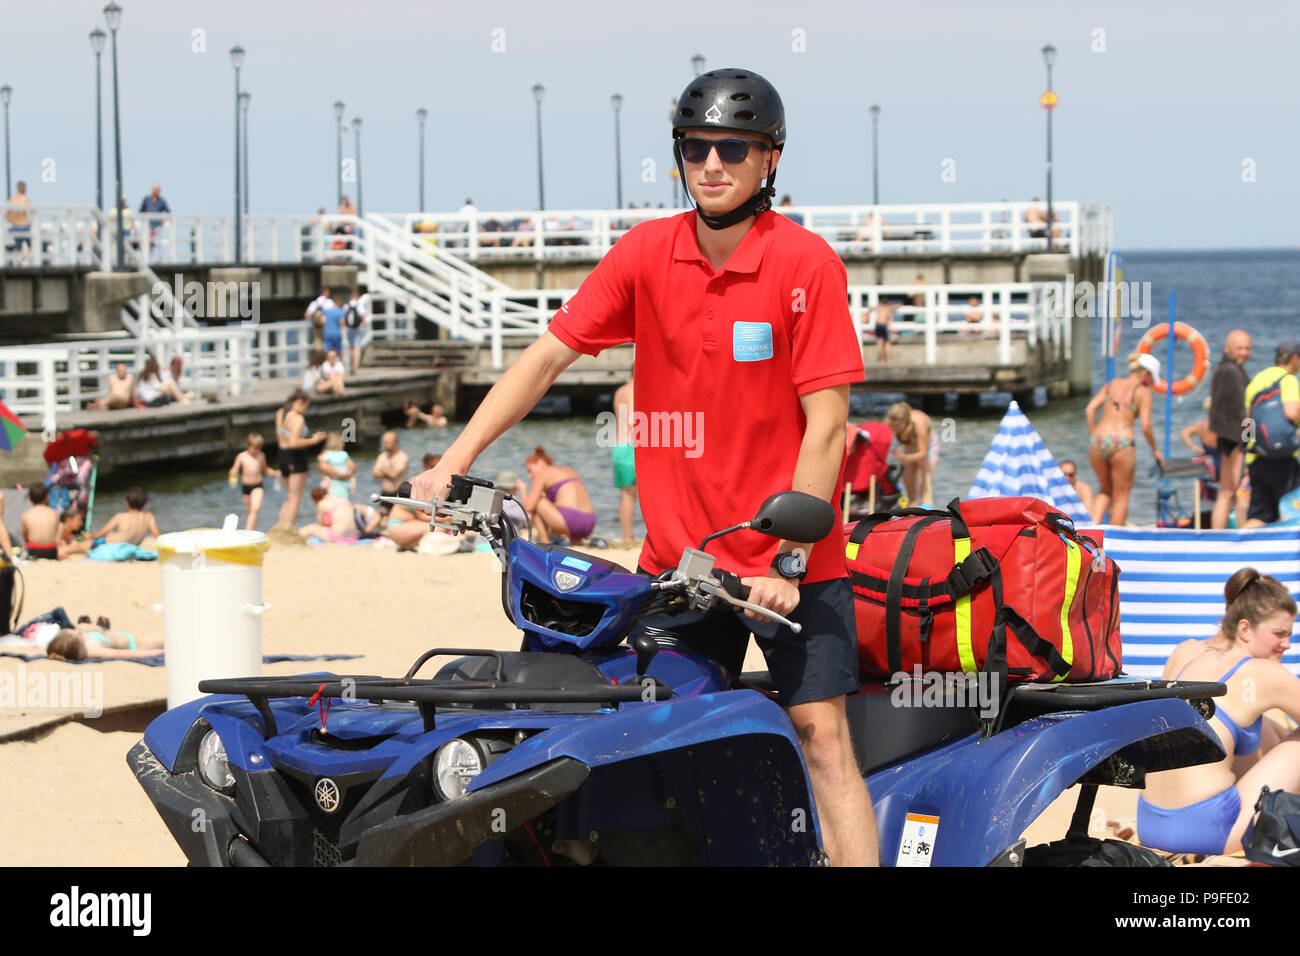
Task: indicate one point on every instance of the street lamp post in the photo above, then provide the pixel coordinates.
(243, 110)
(113, 15)
(356, 130)
(617, 102)
(697, 63)
(538, 92)
(338, 166)
(420, 116)
(1049, 103)
(6, 92)
(875, 157)
(237, 59)
(97, 39)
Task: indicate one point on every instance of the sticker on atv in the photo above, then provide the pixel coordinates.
(917, 845)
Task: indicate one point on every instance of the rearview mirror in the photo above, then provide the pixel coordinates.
(795, 516)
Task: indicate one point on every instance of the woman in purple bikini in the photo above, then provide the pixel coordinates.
(557, 500)
(1205, 808)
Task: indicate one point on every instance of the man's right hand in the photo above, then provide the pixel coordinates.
(433, 483)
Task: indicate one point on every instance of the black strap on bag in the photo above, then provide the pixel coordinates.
(995, 658)
(894, 590)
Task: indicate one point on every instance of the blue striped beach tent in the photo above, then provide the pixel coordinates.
(1171, 584)
(1018, 464)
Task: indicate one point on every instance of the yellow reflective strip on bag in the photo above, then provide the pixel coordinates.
(1072, 563)
(961, 551)
(851, 550)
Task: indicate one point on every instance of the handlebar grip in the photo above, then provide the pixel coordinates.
(731, 584)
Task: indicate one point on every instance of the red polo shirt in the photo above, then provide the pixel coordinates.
(721, 361)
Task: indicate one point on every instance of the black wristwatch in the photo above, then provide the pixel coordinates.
(791, 565)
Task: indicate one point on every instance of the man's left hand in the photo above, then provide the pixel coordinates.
(772, 592)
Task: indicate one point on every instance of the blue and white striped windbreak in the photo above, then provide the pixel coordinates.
(1171, 584)
(1018, 464)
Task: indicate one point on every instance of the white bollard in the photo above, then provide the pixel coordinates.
(212, 606)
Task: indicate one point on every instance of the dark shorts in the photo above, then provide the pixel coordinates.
(882, 331)
(819, 663)
(249, 489)
(293, 461)
(1270, 480)
(49, 551)
(1227, 447)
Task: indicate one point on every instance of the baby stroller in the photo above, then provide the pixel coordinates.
(868, 473)
(73, 469)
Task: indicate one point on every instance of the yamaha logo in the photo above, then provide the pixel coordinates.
(566, 581)
(327, 794)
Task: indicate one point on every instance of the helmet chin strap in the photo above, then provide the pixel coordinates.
(761, 201)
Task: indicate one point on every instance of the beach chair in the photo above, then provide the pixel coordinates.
(1169, 511)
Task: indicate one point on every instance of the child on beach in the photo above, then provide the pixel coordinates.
(40, 525)
(251, 468)
(71, 539)
(131, 525)
(337, 466)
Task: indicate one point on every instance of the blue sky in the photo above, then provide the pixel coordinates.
(1158, 113)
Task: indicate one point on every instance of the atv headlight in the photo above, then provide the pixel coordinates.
(214, 767)
(455, 764)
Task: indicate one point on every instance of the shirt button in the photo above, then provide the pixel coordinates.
(709, 314)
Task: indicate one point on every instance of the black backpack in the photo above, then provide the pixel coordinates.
(1273, 833)
(353, 318)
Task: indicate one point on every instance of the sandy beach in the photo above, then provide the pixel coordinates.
(71, 799)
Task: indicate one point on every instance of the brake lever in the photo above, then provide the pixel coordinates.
(709, 587)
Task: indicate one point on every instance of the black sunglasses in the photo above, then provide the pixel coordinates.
(733, 152)
(1069, 474)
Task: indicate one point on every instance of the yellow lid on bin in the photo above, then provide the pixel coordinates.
(215, 544)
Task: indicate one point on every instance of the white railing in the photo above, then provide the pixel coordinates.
(221, 363)
(71, 235)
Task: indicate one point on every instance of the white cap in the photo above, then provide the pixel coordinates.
(1151, 364)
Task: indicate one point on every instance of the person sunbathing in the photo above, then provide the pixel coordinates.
(92, 641)
(335, 520)
(1205, 808)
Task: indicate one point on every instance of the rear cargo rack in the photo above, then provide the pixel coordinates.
(425, 694)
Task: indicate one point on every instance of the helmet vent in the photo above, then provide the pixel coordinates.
(745, 115)
(738, 97)
(696, 94)
(739, 76)
(687, 111)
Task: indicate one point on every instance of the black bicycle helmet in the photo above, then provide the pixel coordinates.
(731, 99)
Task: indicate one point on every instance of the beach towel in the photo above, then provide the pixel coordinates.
(11, 645)
(1171, 585)
(121, 551)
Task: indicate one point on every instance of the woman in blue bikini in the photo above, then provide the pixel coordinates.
(1112, 452)
(558, 499)
(1204, 809)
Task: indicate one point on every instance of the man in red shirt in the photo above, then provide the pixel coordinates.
(745, 354)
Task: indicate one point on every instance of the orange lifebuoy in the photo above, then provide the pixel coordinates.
(1200, 354)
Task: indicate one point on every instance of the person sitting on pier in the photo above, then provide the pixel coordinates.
(20, 226)
(335, 519)
(1112, 451)
(1205, 808)
(974, 311)
(132, 525)
(917, 451)
(156, 391)
(40, 525)
(320, 378)
(121, 391)
(553, 483)
(414, 417)
(1036, 219)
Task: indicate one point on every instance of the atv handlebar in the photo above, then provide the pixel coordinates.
(479, 509)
